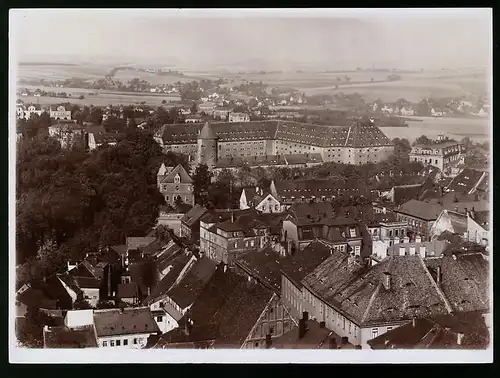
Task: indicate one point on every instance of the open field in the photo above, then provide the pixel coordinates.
(61, 72)
(103, 99)
(127, 75)
(478, 129)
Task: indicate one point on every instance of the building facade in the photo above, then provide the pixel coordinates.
(443, 154)
(207, 143)
(175, 184)
(60, 112)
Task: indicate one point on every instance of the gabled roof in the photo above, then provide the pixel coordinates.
(317, 135)
(105, 138)
(127, 321)
(404, 193)
(265, 264)
(65, 338)
(128, 290)
(225, 311)
(194, 215)
(362, 134)
(139, 242)
(419, 209)
(301, 263)
(87, 282)
(179, 170)
(464, 282)
(316, 337)
(465, 181)
(362, 296)
(175, 264)
(436, 333)
(457, 220)
(482, 218)
(317, 188)
(188, 289)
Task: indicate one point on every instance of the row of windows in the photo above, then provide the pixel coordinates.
(120, 342)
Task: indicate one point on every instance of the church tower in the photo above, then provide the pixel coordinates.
(207, 146)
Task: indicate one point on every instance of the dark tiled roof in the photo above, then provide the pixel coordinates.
(36, 298)
(356, 135)
(127, 321)
(265, 264)
(482, 218)
(300, 264)
(269, 160)
(194, 215)
(226, 311)
(128, 290)
(312, 213)
(420, 209)
(317, 188)
(366, 135)
(139, 242)
(176, 264)
(405, 193)
(464, 282)
(362, 296)
(184, 176)
(314, 338)
(63, 337)
(465, 181)
(87, 282)
(436, 333)
(144, 274)
(105, 138)
(188, 289)
(121, 250)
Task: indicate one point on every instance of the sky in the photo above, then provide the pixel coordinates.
(341, 39)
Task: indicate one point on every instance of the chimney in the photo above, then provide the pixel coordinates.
(225, 268)
(439, 275)
(305, 316)
(414, 322)
(108, 268)
(332, 343)
(232, 217)
(149, 291)
(269, 341)
(422, 251)
(345, 340)
(322, 324)
(188, 326)
(302, 328)
(387, 280)
(460, 338)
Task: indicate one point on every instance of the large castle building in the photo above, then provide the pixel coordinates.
(220, 143)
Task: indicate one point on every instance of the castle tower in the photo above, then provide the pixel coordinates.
(207, 146)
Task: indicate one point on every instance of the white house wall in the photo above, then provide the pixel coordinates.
(141, 341)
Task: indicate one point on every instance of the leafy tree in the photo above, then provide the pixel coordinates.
(423, 140)
(194, 108)
(163, 102)
(30, 334)
(201, 184)
(401, 146)
(81, 303)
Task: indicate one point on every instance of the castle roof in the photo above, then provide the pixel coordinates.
(357, 135)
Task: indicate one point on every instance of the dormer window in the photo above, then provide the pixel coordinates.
(177, 179)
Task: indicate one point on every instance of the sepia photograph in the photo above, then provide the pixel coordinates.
(250, 185)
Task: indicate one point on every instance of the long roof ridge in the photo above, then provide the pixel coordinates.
(374, 295)
(435, 285)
